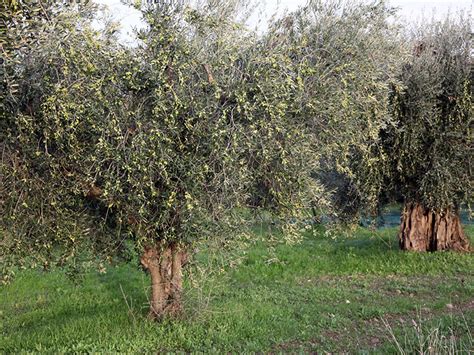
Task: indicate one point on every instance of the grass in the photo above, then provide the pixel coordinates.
(358, 294)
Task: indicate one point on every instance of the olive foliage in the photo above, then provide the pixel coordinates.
(58, 85)
(105, 146)
(430, 143)
(346, 57)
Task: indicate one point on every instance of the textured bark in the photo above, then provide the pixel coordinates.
(151, 261)
(176, 285)
(424, 229)
(165, 263)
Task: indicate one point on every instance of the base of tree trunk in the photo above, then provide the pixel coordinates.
(423, 229)
(164, 263)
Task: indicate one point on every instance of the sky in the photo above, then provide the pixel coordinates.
(410, 10)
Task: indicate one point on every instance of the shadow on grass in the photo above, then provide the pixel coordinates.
(62, 303)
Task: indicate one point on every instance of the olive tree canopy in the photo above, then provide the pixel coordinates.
(103, 146)
(430, 143)
(346, 56)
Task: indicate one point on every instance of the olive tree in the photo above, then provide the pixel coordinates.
(155, 146)
(346, 54)
(430, 143)
(104, 146)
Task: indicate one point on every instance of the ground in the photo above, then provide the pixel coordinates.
(357, 294)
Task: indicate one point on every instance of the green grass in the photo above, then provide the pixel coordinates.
(320, 295)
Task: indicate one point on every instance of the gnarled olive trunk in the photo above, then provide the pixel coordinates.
(165, 263)
(423, 229)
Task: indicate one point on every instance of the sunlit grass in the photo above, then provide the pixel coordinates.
(323, 294)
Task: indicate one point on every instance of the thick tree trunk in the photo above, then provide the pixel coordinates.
(164, 263)
(423, 229)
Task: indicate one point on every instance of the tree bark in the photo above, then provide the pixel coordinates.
(423, 229)
(164, 264)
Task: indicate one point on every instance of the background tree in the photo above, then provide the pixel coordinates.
(430, 144)
(345, 55)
